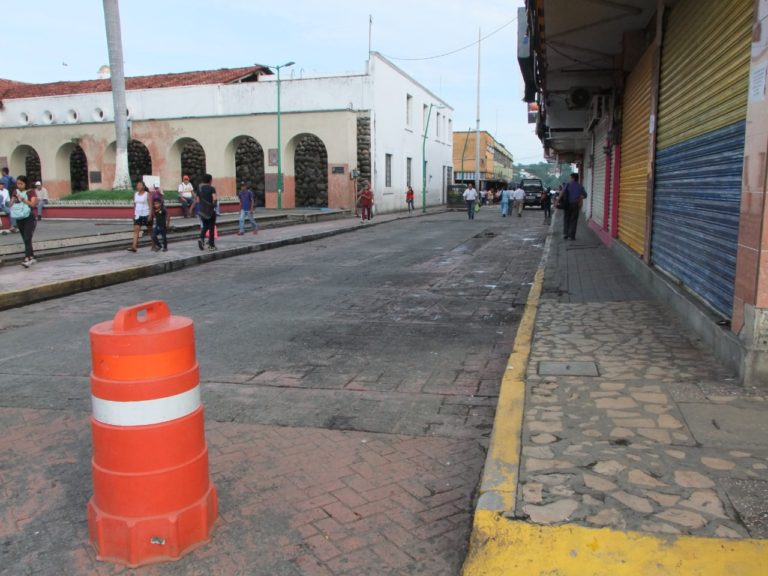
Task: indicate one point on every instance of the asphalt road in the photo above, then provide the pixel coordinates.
(394, 334)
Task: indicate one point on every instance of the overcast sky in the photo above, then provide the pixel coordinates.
(50, 40)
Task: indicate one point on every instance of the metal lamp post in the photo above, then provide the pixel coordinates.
(279, 150)
(424, 160)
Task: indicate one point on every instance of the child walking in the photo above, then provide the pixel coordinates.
(160, 221)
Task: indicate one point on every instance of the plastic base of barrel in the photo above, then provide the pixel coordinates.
(149, 540)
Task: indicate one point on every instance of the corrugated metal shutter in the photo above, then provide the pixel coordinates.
(635, 142)
(700, 145)
(598, 179)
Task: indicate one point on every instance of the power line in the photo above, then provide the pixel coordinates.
(475, 43)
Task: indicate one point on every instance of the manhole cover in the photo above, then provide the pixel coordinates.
(568, 369)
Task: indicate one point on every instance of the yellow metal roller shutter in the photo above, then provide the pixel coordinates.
(706, 65)
(635, 143)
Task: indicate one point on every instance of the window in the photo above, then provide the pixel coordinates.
(408, 164)
(408, 109)
(450, 127)
(388, 171)
(424, 112)
(438, 118)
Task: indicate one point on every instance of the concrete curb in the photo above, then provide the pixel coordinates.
(503, 546)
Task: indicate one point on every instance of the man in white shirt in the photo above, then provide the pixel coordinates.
(5, 207)
(518, 197)
(470, 196)
(42, 198)
(186, 195)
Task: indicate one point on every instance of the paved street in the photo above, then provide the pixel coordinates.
(349, 386)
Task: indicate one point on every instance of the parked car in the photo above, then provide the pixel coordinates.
(533, 188)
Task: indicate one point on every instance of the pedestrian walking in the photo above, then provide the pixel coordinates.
(366, 202)
(409, 199)
(504, 202)
(160, 222)
(483, 197)
(42, 198)
(571, 200)
(23, 203)
(518, 196)
(247, 203)
(186, 196)
(207, 199)
(470, 197)
(140, 213)
(5, 207)
(546, 205)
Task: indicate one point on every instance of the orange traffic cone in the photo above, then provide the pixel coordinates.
(152, 497)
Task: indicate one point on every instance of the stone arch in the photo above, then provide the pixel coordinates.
(248, 156)
(139, 160)
(310, 168)
(26, 160)
(72, 163)
(191, 157)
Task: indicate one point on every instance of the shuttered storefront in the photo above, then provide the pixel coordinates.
(700, 145)
(601, 172)
(635, 143)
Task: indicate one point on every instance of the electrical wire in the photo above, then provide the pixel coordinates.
(499, 29)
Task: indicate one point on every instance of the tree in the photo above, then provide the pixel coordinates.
(115, 48)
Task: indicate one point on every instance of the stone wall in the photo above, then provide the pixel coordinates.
(249, 167)
(193, 162)
(139, 161)
(363, 151)
(32, 167)
(311, 165)
(78, 170)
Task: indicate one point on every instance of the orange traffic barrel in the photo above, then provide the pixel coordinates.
(152, 496)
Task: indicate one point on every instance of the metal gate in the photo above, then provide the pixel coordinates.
(635, 142)
(600, 174)
(700, 146)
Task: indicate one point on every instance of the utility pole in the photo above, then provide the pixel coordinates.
(477, 126)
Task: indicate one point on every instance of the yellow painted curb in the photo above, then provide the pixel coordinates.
(499, 482)
(501, 547)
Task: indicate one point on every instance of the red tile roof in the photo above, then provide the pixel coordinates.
(10, 89)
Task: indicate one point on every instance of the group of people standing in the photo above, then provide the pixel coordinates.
(203, 203)
(570, 199)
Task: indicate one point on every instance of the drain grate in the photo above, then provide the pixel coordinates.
(575, 368)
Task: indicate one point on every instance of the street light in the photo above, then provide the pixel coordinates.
(279, 151)
(424, 160)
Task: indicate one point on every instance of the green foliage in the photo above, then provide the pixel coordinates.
(546, 172)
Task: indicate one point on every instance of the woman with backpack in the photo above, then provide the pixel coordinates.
(23, 203)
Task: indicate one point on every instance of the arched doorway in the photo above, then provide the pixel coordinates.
(193, 161)
(139, 161)
(26, 160)
(78, 169)
(249, 167)
(311, 169)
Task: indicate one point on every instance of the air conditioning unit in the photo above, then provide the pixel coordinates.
(598, 108)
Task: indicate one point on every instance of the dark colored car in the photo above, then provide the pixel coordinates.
(533, 188)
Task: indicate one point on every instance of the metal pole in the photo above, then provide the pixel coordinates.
(477, 126)
(463, 150)
(279, 147)
(279, 152)
(424, 164)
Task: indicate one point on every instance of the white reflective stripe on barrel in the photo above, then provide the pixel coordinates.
(144, 412)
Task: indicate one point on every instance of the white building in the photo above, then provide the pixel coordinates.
(224, 122)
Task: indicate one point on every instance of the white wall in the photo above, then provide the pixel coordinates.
(314, 94)
(392, 135)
